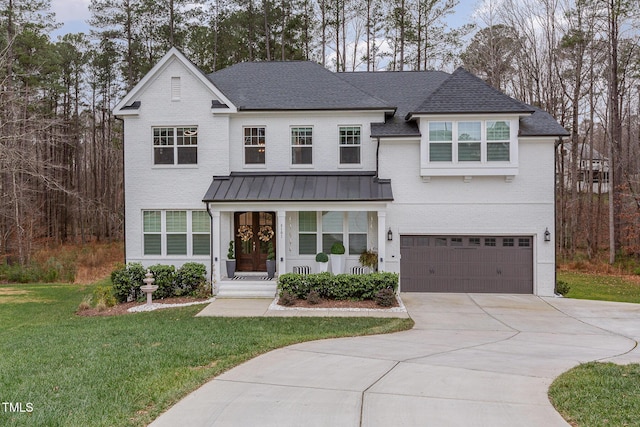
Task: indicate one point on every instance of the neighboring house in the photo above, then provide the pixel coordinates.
(590, 163)
(450, 181)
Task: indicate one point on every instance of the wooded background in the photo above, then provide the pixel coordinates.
(61, 159)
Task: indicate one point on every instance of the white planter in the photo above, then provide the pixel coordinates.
(337, 264)
(323, 267)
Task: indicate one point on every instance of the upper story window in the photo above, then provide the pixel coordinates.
(350, 142)
(175, 145)
(254, 145)
(469, 141)
(301, 145)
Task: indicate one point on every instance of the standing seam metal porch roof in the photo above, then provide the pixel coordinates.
(291, 187)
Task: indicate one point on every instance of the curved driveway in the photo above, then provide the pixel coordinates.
(470, 360)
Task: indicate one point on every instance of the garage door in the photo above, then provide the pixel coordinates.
(466, 264)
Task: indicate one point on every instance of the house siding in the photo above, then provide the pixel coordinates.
(487, 205)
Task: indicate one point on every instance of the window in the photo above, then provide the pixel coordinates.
(152, 230)
(307, 233)
(456, 241)
(357, 232)
(175, 145)
(176, 233)
(254, 145)
(524, 242)
(498, 137)
(332, 226)
(474, 241)
(350, 141)
(301, 146)
(490, 241)
(201, 229)
(469, 141)
(508, 241)
(440, 141)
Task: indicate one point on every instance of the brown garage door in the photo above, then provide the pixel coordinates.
(466, 264)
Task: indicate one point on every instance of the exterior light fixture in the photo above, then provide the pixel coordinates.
(389, 235)
(547, 235)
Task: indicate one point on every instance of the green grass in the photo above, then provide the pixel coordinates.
(601, 287)
(598, 394)
(126, 370)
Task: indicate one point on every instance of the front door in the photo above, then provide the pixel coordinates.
(254, 232)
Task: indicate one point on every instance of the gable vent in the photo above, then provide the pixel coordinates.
(175, 88)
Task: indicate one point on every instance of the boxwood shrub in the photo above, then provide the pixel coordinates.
(190, 279)
(340, 286)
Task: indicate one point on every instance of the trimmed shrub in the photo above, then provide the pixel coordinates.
(385, 297)
(126, 281)
(190, 279)
(165, 276)
(287, 298)
(337, 248)
(313, 297)
(562, 287)
(341, 286)
(322, 257)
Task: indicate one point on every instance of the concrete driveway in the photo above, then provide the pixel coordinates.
(471, 360)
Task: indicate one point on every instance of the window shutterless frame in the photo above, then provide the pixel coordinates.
(177, 145)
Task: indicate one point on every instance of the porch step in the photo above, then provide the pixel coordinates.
(247, 289)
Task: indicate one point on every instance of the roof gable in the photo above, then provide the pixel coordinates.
(291, 85)
(464, 93)
(130, 104)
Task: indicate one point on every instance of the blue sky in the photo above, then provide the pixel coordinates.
(75, 13)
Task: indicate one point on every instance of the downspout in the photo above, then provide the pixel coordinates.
(378, 157)
(210, 249)
(124, 198)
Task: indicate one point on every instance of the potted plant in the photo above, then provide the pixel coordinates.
(337, 258)
(369, 258)
(231, 261)
(323, 262)
(271, 261)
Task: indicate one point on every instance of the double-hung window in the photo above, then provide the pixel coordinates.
(171, 233)
(498, 137)
(307, 233)
(469, 141)
(350, 143)
(175, 145)
(440, 141)
(357, 232)
(254, 145)
(301, 145)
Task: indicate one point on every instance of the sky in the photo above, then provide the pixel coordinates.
(73, 14)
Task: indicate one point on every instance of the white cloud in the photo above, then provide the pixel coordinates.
(71, 10)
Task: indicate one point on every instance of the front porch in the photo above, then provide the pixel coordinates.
(247, 285)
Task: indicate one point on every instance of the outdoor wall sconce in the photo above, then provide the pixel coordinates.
(389, 235)
(547, 235)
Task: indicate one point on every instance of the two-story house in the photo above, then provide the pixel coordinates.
(450, 181)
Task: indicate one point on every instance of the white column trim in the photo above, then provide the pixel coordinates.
(215, 248)
(382, 240)
(282, 242)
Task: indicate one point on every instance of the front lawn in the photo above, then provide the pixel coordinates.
(598, 394)
(601, 287)
(67, 370)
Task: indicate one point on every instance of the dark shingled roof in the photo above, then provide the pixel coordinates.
(302, 85)
(541, 123)
(292, 187)
(296, 85)
(463, 93)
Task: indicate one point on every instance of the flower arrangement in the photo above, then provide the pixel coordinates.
(266, 233)
(245, 233)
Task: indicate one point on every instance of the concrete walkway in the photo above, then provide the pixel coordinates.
(471, 360)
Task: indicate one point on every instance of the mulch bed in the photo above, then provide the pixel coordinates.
(327, 303)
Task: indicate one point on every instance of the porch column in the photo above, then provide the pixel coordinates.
(281, 243)
(382, 240)
(216, 241)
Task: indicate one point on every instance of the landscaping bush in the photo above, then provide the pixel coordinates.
(127, 280)
(313, 298)
(562, 287)
(340, 286)
(103, 295)
(165, 276)
(287, 298)
(385, 297)
(191, 279)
